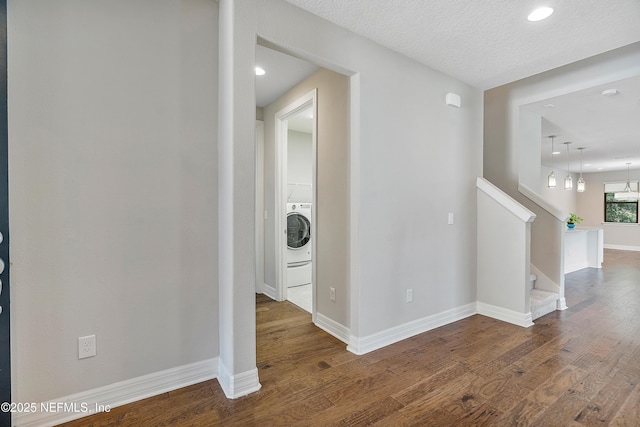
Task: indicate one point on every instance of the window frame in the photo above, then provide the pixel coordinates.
(621, 202)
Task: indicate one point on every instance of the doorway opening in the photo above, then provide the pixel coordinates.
(295, 200)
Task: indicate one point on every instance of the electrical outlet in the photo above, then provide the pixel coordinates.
(332, 294)
(409, 295)
(86, 346)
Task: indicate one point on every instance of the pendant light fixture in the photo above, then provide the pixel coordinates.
(627, 194)
(581, 184)
(551, 179)
(568, 181)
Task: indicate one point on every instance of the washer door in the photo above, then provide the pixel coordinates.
(298, 230)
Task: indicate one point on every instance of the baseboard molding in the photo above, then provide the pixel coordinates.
(269, 291)
(117, 394)
(562, 304)
(623, 247)
(237, 385)
(390, 336)
(332, 327)
(504, 314)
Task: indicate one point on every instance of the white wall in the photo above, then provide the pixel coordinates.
(591, 208)
(565, 200)
(413, 159)
(112, 155)
(299, 163)
(503, 268)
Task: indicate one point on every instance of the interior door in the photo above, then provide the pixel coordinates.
(5, 347)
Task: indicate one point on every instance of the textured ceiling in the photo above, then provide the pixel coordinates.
(487, 43)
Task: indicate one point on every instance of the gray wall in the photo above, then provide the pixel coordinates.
(112, 153)
(412, 160)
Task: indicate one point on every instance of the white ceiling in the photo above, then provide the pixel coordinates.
(608, 127)
(487, 43)
(282, 73)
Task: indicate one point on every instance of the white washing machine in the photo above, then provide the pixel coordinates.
(298, 244)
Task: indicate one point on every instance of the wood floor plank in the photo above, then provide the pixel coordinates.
(578, 367)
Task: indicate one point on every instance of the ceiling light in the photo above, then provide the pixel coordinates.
(581, 183)
(627, 194)
(610, 92)
(548, 105)
(260, 71)
(568, 181)
(540, 13)
(551, 179)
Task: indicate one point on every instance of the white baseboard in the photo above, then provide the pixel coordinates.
(623, 247)
(389, 336)
(238, 385)
(85, 403)
(332, 327)
(504, 314)
(269, 291)
(562, 304)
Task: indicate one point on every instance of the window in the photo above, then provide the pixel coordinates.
(623, 211)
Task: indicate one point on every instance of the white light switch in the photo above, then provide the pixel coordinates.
(450, 218)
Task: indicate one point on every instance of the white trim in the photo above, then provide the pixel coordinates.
(535, 198)
(332, 327)
(623, 247)
(121, 393)
(504, 314)
(238, 385)
(505, 200)
(280, 219)
(561, 304)
(354, 205)
(259, 207)
(398, 333)
(269, 291)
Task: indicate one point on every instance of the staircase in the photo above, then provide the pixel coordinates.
(541, 302)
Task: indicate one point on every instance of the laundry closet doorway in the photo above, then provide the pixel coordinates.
(280, 99)
(295, 197)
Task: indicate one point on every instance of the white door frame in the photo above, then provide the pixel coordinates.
(281, 127)
(259, 213)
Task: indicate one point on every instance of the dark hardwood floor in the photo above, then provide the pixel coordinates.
(579, 367)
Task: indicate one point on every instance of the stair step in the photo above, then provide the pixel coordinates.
(542, 302)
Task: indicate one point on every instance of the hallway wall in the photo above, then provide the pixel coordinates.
(412, 160)
(113, 208)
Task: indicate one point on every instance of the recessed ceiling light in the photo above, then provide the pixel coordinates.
(260, 71)
(540, 13)
(556, 152)
(610, 92)
(549, 105)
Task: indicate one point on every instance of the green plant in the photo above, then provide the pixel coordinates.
(574, 219)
